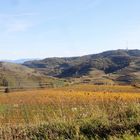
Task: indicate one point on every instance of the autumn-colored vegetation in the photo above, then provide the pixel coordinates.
(79, 112)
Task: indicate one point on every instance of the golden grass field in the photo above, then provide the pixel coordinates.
(78, 112)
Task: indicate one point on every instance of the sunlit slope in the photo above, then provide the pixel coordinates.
(16, 75)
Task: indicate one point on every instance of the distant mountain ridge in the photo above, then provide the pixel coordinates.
(111, 63)
(19, 61)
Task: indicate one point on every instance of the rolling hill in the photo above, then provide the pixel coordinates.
(19, 76)
(116, 66)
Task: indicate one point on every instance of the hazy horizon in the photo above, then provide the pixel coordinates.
(42, 29)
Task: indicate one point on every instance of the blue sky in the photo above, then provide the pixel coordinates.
(47, 28)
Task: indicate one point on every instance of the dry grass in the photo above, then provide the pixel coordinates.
(88, 111)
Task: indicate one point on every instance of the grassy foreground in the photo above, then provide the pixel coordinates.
(82, 112)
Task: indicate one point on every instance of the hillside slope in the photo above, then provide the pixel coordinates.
(117, 66)
(19, 76)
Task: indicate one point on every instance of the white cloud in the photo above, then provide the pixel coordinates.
(18, 15)
(18, 26)
(17, 22)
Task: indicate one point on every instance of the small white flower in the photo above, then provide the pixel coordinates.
(15, 105)
(74, 109)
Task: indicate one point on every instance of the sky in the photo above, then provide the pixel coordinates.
(59, 28)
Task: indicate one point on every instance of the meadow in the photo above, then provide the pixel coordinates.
(78, 112)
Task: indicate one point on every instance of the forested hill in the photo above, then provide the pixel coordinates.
(120, 64)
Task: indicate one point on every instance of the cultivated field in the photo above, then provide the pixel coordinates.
(80, 112)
